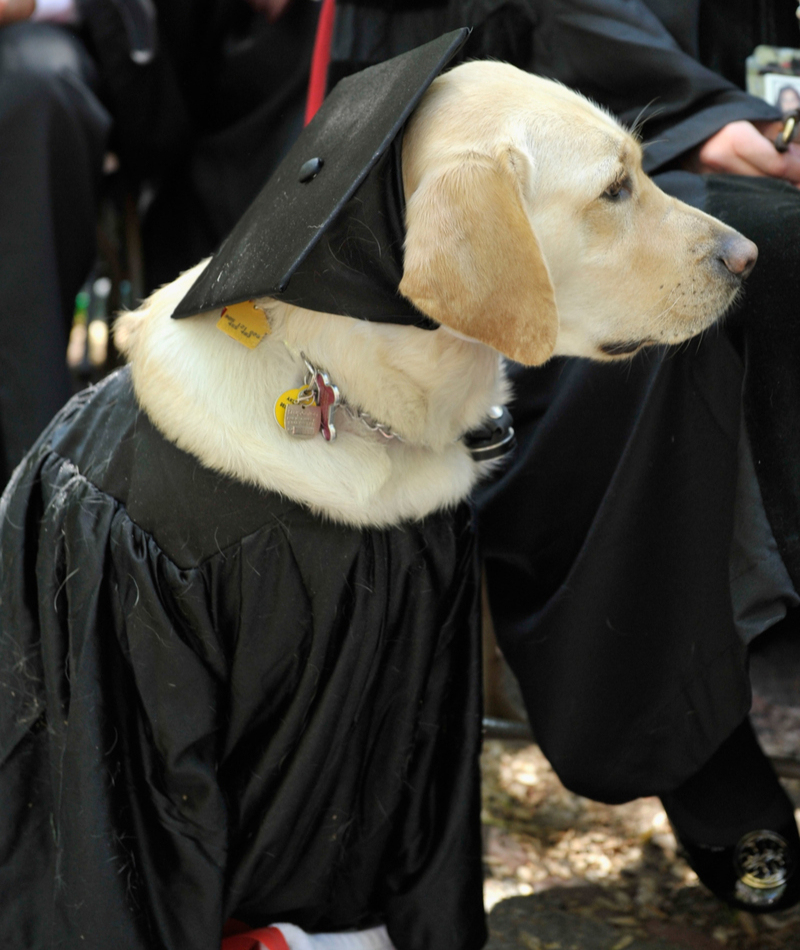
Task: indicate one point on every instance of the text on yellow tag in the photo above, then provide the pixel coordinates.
(245, 323)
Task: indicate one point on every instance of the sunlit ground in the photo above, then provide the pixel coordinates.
(617, 864)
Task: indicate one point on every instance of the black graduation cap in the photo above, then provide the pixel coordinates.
(327, 230)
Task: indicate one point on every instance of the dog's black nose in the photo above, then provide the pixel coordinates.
(738, 254)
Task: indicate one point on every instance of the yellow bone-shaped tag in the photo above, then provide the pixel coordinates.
(245, 323)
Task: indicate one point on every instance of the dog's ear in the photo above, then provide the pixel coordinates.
(473, 263)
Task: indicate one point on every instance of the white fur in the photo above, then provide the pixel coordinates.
(215, 399)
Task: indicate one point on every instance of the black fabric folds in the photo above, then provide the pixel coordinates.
(214, 704)
(619, 54)
(606, 560)
(768, 211)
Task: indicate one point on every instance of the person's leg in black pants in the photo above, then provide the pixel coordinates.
(733, 817)
(52, 139)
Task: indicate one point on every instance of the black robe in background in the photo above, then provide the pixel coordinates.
(650, 61)
(607, 541)
(215, 704)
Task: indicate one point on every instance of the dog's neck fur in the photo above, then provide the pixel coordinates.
(215, 399)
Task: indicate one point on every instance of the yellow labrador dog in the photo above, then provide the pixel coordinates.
(240, 669)
(532, 231)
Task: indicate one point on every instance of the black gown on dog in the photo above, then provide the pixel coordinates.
(215, 704)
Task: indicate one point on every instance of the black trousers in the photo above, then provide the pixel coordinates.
(52, 139)
(607, 541)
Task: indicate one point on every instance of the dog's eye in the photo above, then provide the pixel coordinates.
(620, 189)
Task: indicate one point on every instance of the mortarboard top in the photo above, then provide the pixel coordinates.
(328, 235)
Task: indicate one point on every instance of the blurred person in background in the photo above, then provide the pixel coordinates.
(199, 101)
(53, 133)
(648, 535)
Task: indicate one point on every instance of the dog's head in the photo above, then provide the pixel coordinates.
(531, 226)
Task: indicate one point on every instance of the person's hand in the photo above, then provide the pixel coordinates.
(12, 11)
(746, 148)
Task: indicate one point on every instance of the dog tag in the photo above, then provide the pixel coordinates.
(297, 413)
(302, 422)
(303, 396)
(327, 397)
(245, 323)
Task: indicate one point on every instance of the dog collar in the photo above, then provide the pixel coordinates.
(313, 409)
(494, 439)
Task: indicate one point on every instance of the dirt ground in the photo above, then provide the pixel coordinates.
(566, 873)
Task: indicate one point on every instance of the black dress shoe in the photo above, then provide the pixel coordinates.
(757, 874)
(765, 868)
(736, 826)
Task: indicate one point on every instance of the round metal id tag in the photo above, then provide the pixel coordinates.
(297, 413)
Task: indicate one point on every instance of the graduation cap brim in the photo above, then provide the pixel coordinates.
(326, 232)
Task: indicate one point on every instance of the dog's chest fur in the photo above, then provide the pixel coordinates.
(215, 399)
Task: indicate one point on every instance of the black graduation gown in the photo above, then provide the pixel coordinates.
(216, 704)
(607, 540)
(640, 59)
